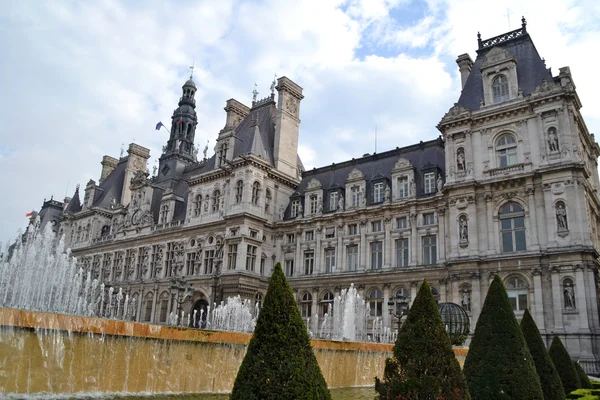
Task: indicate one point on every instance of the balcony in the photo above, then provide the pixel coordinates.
(511, 169)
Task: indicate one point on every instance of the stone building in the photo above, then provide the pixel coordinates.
(510, 188)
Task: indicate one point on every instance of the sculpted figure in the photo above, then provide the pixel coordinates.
(463, 229)
(561, 217)
(466, 300)
(569, 296)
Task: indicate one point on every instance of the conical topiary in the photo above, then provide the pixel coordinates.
(423, 365)
(583, 377)
(551, 384)
(564, 365)
(498, 364)
(279, 363)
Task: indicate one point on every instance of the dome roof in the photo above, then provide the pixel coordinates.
(190, 82)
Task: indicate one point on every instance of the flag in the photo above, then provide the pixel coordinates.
(158, 126)
(29, 214)
(180, 122)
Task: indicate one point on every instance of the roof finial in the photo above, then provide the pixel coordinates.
(479, 39)
(273, 84)
(254, 93)
(524, 24)
(192, 68)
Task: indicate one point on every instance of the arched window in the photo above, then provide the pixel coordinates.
(147, 307)
(506, 150)
(516, 288)
(268, 198)
(376, 303)
(239, 190)
(306, 305)
(216, 200)
(255, 192)
(326, 303)
(500, 89)
(512, 227)
(105, 231)
(198, 205)
(164, 214)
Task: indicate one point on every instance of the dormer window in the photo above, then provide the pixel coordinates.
(355, 196)
(500, 89)
(333, 201)
(295, 208)
(429, 182)
(255, 192)
(403, 187)
(506, 149)
(222, 153)
(378, 192)
(313, 204)
(216, 200)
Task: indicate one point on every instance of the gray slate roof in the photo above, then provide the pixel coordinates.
(75, 204)
(112, 186)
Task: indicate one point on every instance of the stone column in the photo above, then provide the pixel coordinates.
(443, 294)
(414, 240)
(442, 236)
(584, 324)
(386, 297)
(455, 295)
(538, 313)
(315, 302)
(388, 261)
(298, 256)
(489, 206)
(154, 299)
(476, 297)
(363, 251)
(319, 265)
(556, 299)
(533, 228)
(340, 264)
(139, 305)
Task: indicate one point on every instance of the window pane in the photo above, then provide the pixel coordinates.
(519, 222)
(520, 240)
(522, 301)
(507, 245)
(512, 301)
(505, 224)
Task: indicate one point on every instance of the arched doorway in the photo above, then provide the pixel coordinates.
(199, 315)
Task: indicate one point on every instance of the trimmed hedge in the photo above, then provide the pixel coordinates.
(583, 378)
(279, 363)
(423, 365)
(585, 394)
(499, 364)
(564, 366)
(551, 384)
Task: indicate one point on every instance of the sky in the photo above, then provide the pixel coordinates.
(79, 80)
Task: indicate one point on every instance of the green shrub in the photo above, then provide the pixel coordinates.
(279, 363)
(564, 366)
(423, 365)
(551, 384)
(584, 394)
(498, 364)
(583, 378)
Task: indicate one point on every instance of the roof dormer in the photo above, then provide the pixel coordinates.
(499, 75)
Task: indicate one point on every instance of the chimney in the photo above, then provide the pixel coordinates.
(287, 124)
(90, 193)
(236, 112)
(136, 161)
(108, 165)
(464, 66)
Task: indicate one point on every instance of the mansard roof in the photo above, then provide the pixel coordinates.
(112, 186)
(75, 204)
(531, 69)
(260, 143)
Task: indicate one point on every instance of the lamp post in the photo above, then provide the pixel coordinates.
(403, 302)
(180, 292)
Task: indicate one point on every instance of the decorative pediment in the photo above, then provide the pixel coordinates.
(495, 56)
(355, 175)
(545, 87)
(402, 164)
(457, 111)
(313, 184)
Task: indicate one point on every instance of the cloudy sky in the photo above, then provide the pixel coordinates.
(79, 79)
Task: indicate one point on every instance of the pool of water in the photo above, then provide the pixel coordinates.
(336, 394)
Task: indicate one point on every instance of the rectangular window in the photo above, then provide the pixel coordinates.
(329, 260)
(376, 226)
(164, 308)
(378, 192)
(170, 256)
(401, 252)
(353, 229)
(253, 234)
(289, 268)
(148, 311)
(291, 238)
(190, 263)
(156, 257)
(251, 258)
(209, 255)
(401, 223)
(309, 236)
(429, 182)
(352, 252)
(376, 255)
(309, 262)
(232, 256)
(329, 233)
(428, 219)
(263, 261)
(355, 196)
(333, 201)
(403, 187)
(429, 250)
(313, 203)
(295, 208)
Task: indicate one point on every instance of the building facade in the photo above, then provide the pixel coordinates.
(510, 188)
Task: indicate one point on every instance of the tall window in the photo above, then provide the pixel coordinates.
(326, 303)
(198, 205)
(329, 260)
(169, 259)
(512, 227)
(216, 200)
(506, 150)
(222, 153)
(255, 192)
(429, 182)
(403, 187)
(516, 288)
(333, 201)
(401, 252)
(309, 236)
(239, 190)
(263, 262)
(209, 256)
(376, 255)
(500, 89)
(313, 203)
(309, 262)
(376, 303)
(378, 192)
(289, 268)
(190, 263)
(352, 252)
(295, 208)
(148, 299)
(355, 196)
(250, 258)
(268, 199)
(164, 214)
(429, 250)
(306, 305)
(164, 307)
(232, 256)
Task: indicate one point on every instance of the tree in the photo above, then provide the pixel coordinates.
(499, 365)
(583, 377)
(279, 363)
(551, 384)
(423, 365)
(564, 366)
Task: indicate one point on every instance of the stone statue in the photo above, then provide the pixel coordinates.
(363, 199)
(552, 139)
(281, 213)
(386, 193)
(341, 203)
(440, 184)
(561, 216)
(319, 205)
(569, 296)
(460, 160)
(300, 209)
(463, 229)
(413, 188)
(205, 151)
(466, 300)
